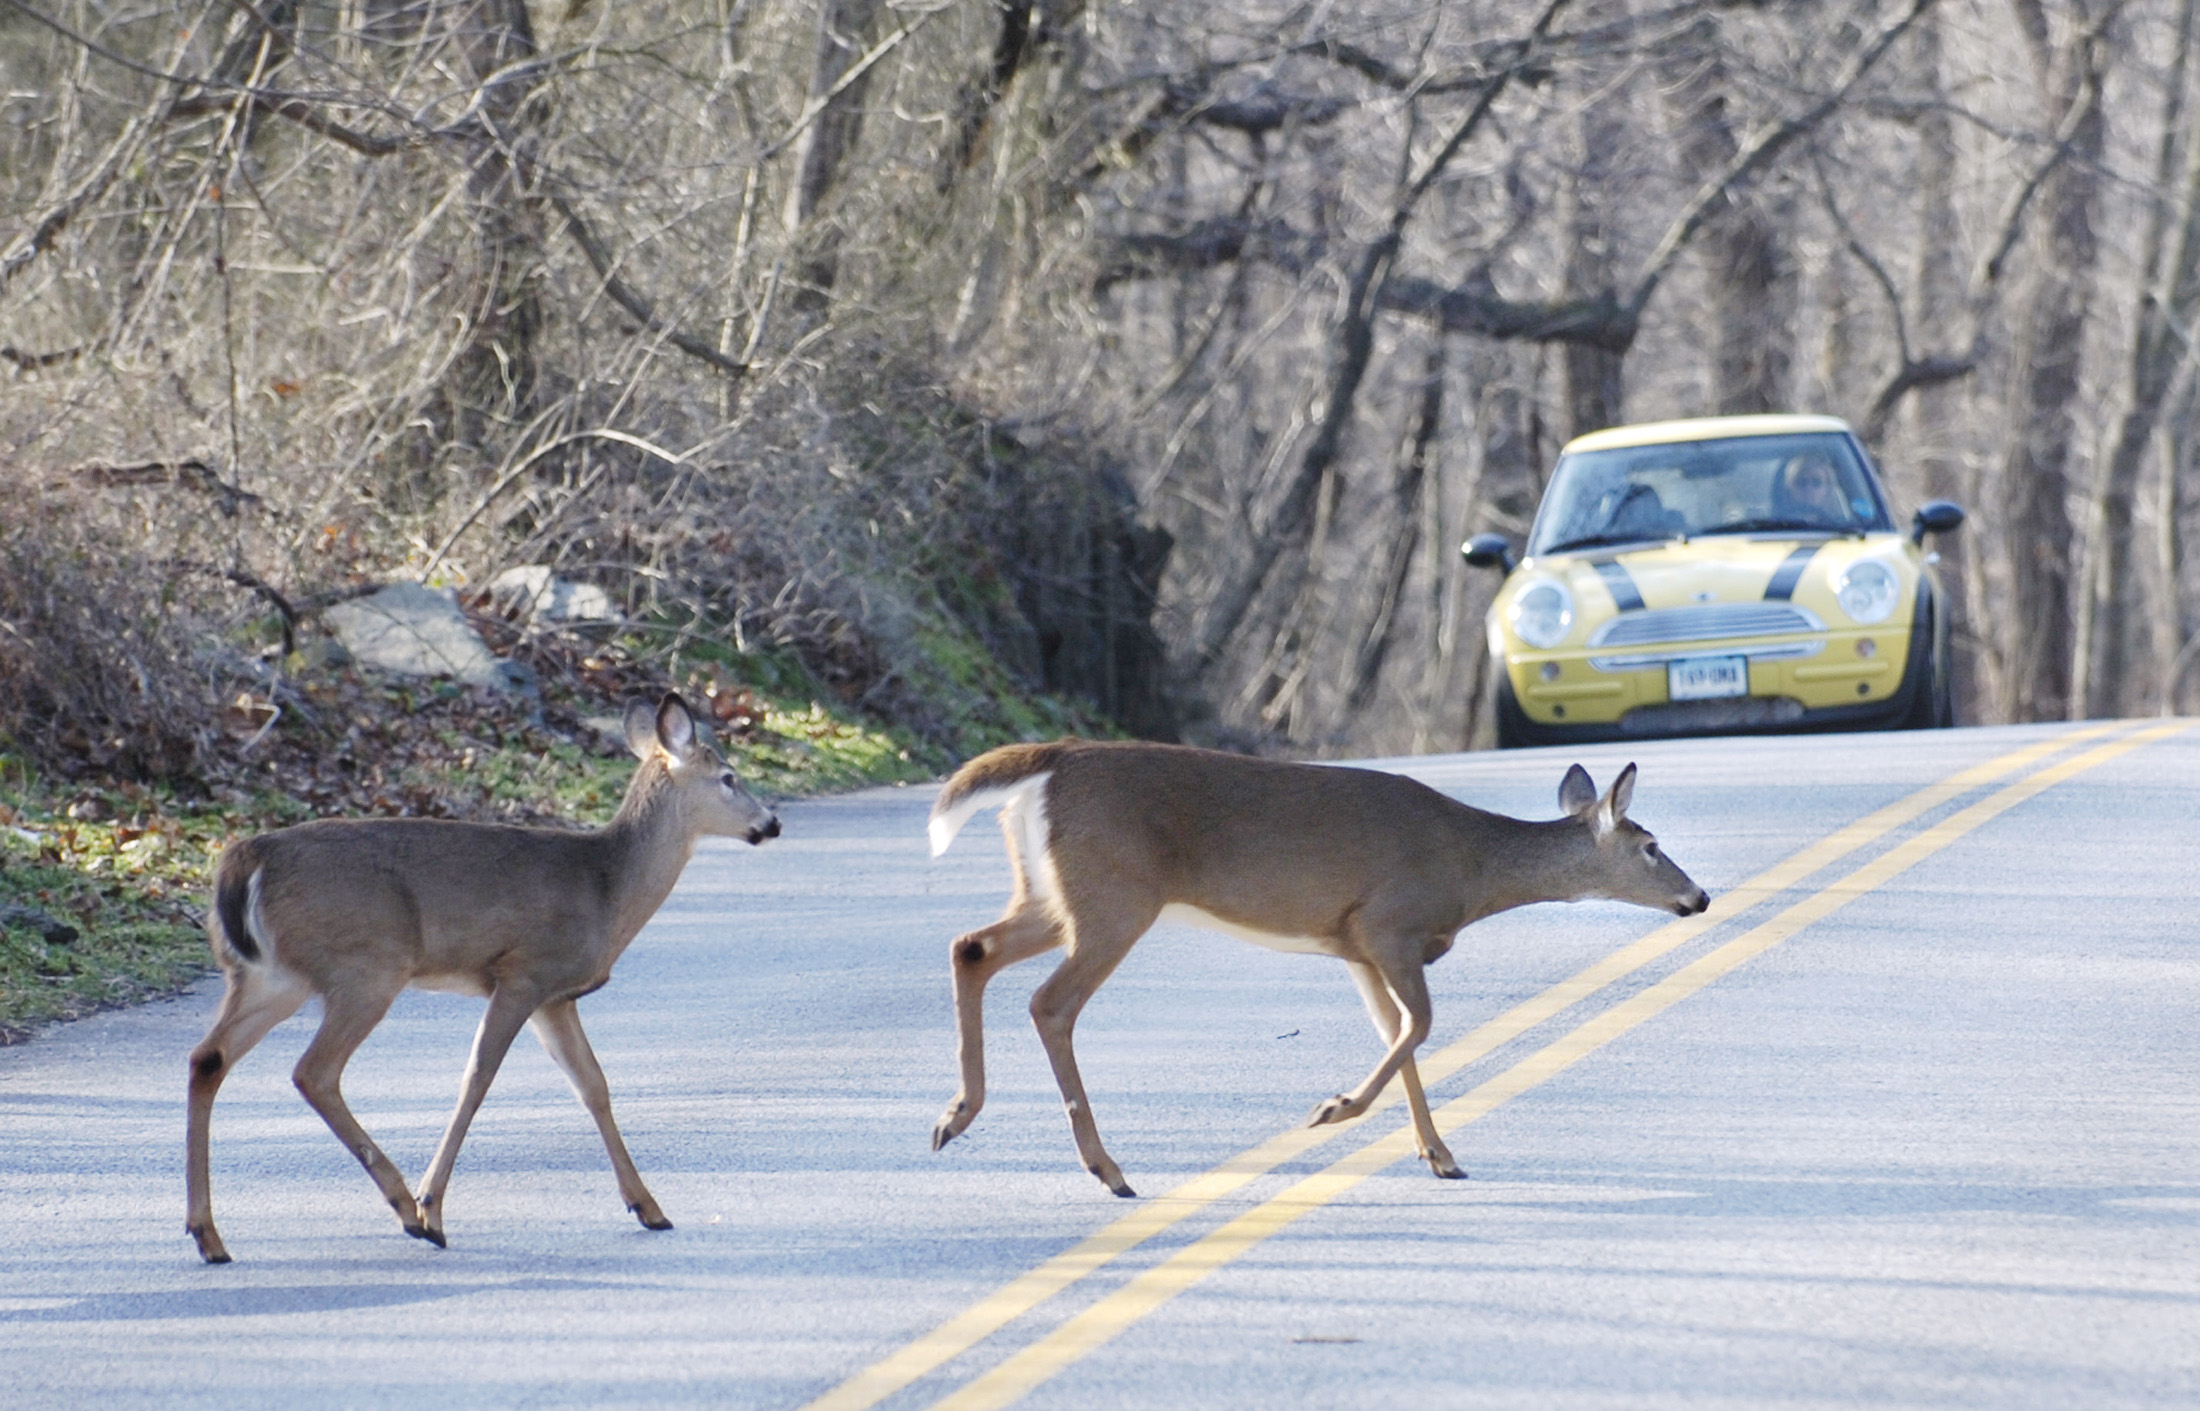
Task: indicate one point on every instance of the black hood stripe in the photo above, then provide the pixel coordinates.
(1625, 594)
(1789, 573)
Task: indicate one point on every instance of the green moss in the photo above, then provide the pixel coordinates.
(547, 776)
(775, 671)
(814, 750)
(985, 705)
(125, 888)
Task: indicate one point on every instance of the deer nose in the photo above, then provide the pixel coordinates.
(769, 830)
(1694, 906)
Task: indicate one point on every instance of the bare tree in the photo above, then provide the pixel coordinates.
(1750, 277)
(837, 91)
(2112, 629)
(2046, 383)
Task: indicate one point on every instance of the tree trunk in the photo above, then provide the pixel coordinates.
(2175, 457)
(1936, 408)
(1595, 390)
(2035, 470)
(1290, 530)
(1404, 540)
(1751, 281)
(2112, 628)
(1024, 24)
(496, 379)
(844, 32)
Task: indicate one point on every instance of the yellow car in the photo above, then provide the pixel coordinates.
(1716, 575)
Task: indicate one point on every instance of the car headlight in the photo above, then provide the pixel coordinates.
(1867, 591)
(1542, 613)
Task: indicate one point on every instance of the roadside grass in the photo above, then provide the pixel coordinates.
(95, 914)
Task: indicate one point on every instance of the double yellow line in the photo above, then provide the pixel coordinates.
(1033, 1365)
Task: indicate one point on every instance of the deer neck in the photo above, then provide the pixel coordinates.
(649, 840)
(1522, 863)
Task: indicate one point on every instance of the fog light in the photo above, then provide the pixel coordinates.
(1559, 711)
(1863, 688)
(1550, 671)
(1866, 648)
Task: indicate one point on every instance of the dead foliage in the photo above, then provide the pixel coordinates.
(101, 669)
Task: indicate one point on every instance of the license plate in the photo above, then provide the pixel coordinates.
(1707, 678)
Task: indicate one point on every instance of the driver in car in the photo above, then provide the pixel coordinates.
(1808, 491)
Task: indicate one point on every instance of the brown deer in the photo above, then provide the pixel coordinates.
(1382, 872)
(530, 918)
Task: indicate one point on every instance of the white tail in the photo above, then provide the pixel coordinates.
(531, 918)
(1375, 869)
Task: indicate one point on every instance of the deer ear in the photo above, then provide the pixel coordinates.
(675, 727)
(641, 728)
(1623, 792)
(1576, 791)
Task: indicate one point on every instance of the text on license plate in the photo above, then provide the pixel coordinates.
(1707, 678)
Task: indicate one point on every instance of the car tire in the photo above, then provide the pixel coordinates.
(1512, 722)
(1944, 687)
(1932, 694)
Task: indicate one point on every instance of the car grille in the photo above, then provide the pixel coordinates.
(1667, 631)
(1704, 623)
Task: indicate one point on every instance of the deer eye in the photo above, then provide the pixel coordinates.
(1650, 850)
(727, 779)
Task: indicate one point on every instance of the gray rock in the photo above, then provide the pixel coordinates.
(533, 593)
(414, 630)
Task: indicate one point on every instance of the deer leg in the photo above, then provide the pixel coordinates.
(1408, 987)
(1384, 1011)
(558, 1025)
(509, 1008)
(1054, 1008)
(974, 959)
(350, 1015)
(255, 1001)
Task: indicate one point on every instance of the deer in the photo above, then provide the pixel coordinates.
(1380, 871)
(530, 918)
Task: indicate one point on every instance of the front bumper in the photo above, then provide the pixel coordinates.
(1847, 680)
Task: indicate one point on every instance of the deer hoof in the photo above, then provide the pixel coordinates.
(1114, 1181)
(210, 1245)
(1337, 1109)
(951, 1125)
(652, 1219)
(1447, 1169)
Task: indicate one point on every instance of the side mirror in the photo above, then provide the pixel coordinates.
(1491, 550)
(1934, 517)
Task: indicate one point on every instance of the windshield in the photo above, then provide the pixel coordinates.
(1816, 482)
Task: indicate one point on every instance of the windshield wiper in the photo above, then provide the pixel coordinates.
(1767, 526)
(1599, 541)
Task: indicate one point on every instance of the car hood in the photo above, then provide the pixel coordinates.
(1715, 569)
(1735, 569)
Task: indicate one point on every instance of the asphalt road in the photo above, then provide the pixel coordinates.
(1927, 1136)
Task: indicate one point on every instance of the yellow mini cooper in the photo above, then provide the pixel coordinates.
(1717, 575)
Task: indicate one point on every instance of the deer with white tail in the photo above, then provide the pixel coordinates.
(1380, 871)
(529, 918)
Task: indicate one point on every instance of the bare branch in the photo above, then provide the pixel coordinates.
(626, 297)
(1758, 153)
(48, 227)
(307, 115)
(194, 472)
(527, 462)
